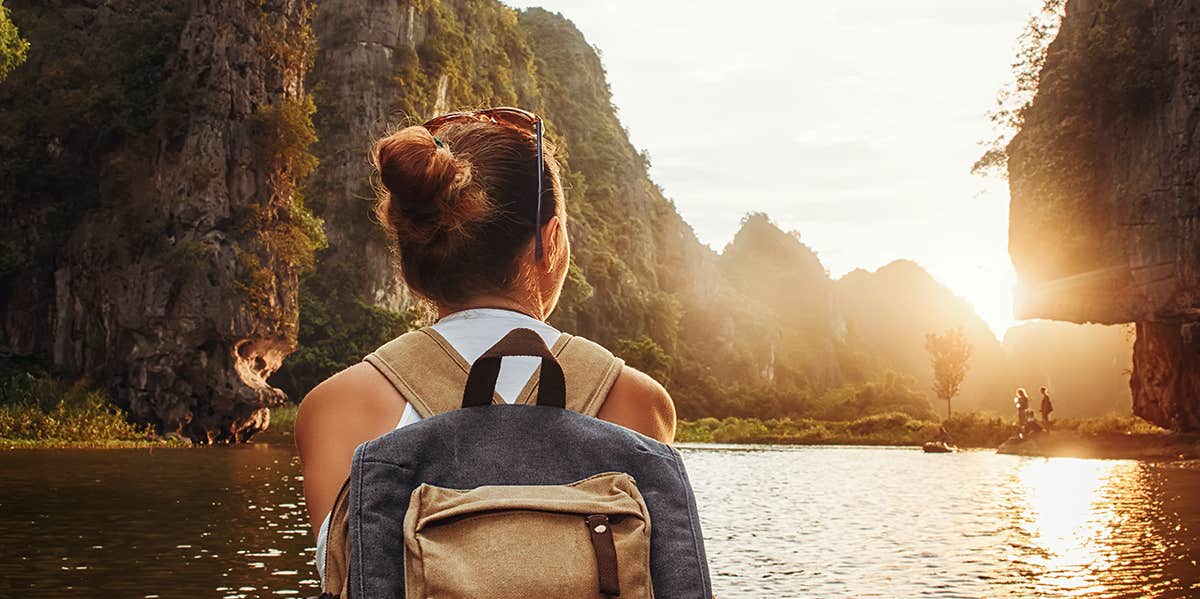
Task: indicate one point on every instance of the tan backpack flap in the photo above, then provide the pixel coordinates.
(587, 539)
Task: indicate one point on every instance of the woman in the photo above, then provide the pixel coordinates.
(1022, 403)
(458, 197)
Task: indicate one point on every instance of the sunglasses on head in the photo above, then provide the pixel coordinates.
(513, 118)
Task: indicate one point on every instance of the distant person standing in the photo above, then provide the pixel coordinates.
(1022, 403)
(1047, 407)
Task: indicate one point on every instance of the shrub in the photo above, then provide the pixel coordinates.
(37, 407)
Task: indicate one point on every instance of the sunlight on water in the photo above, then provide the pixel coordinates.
(778, 522)
(1088, 528)
(1060, 509)
(818, 522)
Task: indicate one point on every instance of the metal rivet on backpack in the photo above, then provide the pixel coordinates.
(600, 529)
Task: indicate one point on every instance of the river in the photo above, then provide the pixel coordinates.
(779, 522)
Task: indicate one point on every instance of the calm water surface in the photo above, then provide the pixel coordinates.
(779, 522)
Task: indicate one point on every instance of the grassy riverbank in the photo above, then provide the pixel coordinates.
(967, 430)
(39, 410)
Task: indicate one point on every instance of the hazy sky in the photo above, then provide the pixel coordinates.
(852, 122)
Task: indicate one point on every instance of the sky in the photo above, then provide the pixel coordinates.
(853, 122)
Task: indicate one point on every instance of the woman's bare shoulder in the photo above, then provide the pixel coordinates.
(639, 402)
(357, 402)
(351, 407)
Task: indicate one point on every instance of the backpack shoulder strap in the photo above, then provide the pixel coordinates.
(425, 369)
(590, 371)
(437, 374)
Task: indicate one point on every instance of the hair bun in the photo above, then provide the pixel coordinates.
(426, 190)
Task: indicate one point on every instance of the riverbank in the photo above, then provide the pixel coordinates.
(972, 430)
(1161, 446)
(894, 428)
(38, 410)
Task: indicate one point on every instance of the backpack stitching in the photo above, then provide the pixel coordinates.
(356, 524)
(692, 524)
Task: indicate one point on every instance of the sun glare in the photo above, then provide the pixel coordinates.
(1062, 510)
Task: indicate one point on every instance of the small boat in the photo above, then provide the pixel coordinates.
(938, 447)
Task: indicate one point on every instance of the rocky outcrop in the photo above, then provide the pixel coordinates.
(175, 286)
(1105, 213)
(361, 44)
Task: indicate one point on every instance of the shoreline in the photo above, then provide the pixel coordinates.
(1106, 446)
(20, 444)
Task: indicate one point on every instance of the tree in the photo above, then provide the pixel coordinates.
(12, 47)
(948, 354)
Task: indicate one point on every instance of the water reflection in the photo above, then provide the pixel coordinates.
(215, 522)
(780, 522)
(891, 522)
(1087, 528)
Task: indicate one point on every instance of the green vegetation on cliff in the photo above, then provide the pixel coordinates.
(12, 46)
(1108, 72)
(91, 94)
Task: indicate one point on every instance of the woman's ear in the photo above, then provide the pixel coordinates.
(554, 241)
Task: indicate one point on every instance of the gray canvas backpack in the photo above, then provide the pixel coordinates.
(512, 501)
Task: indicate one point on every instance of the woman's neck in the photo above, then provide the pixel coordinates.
(496, 302)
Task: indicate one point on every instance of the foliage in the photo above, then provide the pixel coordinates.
(86, 92)
(280, 226)
(283, 418)
(288, 231)
(1013, 101)
(37, 407)
(967, 429)
(894, 394)
(292, 48)
(12, 47)
(450, 69)
(1103, 69)
(892, 428)
(949, 354)
(335, 333)
(645, 355)
(977, 429)
(1111, 423)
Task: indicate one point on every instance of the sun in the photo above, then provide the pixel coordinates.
(987, 283)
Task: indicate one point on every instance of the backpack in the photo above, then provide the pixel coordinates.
(512, 501)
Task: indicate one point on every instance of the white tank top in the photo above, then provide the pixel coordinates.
(470, 333)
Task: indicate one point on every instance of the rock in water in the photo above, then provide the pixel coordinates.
(1103, 178)
(174, 282)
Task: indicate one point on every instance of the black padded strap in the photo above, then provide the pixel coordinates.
(481, 382)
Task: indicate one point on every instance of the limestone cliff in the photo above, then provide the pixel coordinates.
(1105, 211)
(153, 235)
